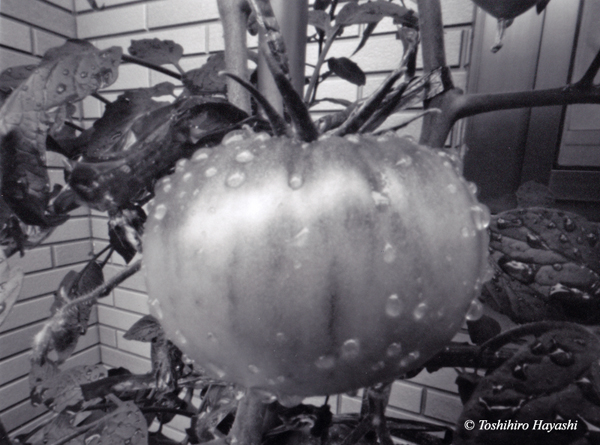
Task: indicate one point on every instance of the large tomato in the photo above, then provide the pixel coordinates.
(318, 268)
(507, 9)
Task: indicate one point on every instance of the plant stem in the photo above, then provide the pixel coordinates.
(247, 427)
(105, 288)
(329, 39)
(234, 16)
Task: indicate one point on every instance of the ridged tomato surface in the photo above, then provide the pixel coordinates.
(316, 268)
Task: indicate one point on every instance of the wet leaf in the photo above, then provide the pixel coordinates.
(125, 229)
(365, 36)
(347, 70)
(10, 286)
(63, 390)
(159, 52)
(206, 79)
(547, 266)
(161, 138)
(14, 76)
(69, 320)
(536, 385)
(66, 74)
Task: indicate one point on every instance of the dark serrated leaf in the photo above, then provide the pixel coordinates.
(63, 390)
(547, 266)
(66, 74)
(206, 79)
(125, 230)
(541, 381)
(347, 70)
(162, 137)
(146, 329)
(159, 52)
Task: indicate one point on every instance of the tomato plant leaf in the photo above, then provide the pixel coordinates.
(547, 266)
(347, 70)
(159, 52)
(63, 390)
(218, 402)
(11, 280)
(125, 229)
(65, 74)
(542, 381)
(146, 329)
(365, 35)
(206, 79)
(14, 76)
(320, 20)
(353, 13)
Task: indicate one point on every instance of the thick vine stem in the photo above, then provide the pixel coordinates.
(273, 49)
(249, 423)
(234, 16)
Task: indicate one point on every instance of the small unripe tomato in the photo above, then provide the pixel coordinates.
(314, 268)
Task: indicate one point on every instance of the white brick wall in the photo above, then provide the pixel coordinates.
(25, 32)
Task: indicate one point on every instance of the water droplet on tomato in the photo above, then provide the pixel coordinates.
(244, 157)
(280, 337)
(262, 136)
(481, 217)
(83, 74)
(211, 337)
(180, 165)
(557, 266)
(409, 359)
(350, 349)
(389, 253)
(253, 369)
(296, 181)
(420, 311)
(451, 188)
(325, 362)
(200, 156)
(290, 401)
(472, 187)
(404, 161)
(65, 72)
(394, 349)
(234, 136)
(160, 211)
(353, 138)
(61, 88)
(210, 172)
(394, 306)
(187, 176)
(475, 311)
(236, 179)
